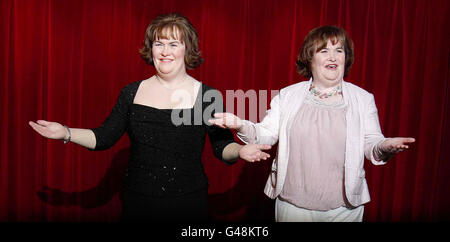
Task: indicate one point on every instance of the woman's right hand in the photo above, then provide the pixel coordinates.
(227, 121)
(51, 130)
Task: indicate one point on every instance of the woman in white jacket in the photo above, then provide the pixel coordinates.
(324, 127)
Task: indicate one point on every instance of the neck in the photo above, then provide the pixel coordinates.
(325, 85)
(172, 82)
(172, 78)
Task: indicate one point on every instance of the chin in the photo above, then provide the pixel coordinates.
(334, 79)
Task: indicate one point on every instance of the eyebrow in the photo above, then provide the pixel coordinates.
(342, 47)
(171, 42)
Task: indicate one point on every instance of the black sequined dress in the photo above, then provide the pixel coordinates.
(165, 157)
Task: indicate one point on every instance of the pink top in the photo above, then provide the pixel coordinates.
(315, 173)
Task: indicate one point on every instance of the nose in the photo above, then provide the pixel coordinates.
(165, 50)
(332, 56)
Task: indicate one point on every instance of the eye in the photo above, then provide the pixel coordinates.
(323, 51)
(157, 44)
(340, 50)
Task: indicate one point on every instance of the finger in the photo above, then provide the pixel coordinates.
(35, 125)
(403, 140)
(43, 122)
(398, 150)
(41, 130)
(263, 155)
(219, 115)
(32, 124)
(409, 140)
(213, 121)
(217, 123)
(37, 128)
(264, 147)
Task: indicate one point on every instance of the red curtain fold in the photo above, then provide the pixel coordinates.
(66, 61)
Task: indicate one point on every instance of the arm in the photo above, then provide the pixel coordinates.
(250, 152)
(222, 140)
(99, 138)
(53, 130)
(377, 148)
(372, 134)
(115, 124)
(265, 132)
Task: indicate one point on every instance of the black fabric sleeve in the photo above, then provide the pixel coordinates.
(218, 137)
(116, 123)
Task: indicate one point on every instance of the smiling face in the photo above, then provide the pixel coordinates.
(168, 55)
(328, 64)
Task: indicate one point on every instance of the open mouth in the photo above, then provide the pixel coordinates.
(166, 60)
(331, 66)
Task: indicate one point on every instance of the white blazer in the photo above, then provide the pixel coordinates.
(363, 133)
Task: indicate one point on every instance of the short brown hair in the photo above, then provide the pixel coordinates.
(316, 40)
(168, 25)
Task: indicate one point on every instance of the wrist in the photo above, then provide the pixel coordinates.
(384, 146)
(241, 127)
(68, 135)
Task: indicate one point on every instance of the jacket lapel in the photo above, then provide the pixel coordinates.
(353, 126)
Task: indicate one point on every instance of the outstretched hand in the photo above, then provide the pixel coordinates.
(226, 121)
(51, 130)
(254, 152)
(396, 145)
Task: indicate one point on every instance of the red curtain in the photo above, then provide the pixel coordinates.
(66, 61)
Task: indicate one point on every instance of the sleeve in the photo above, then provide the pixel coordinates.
(115, 124)
(372, 134)
(218, 137)
(265, 132)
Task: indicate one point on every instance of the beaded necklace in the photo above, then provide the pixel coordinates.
(315, 92)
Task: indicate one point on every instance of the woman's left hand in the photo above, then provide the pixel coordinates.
(254, 152)
(396, 145)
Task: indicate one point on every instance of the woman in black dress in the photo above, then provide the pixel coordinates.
(166, 118)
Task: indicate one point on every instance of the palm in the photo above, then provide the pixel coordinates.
(51, 130)
(254, 152)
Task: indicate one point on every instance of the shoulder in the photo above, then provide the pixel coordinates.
(131, 88)
(207, 88)
(128, 92)
(208, 91)
(294, 89)
(356, 90)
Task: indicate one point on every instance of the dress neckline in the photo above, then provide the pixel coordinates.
(200, 89)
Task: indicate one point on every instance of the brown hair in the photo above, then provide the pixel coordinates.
(316, 40)
(178, 27)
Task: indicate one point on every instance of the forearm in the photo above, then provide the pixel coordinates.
(231, 152)
(83, 137)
